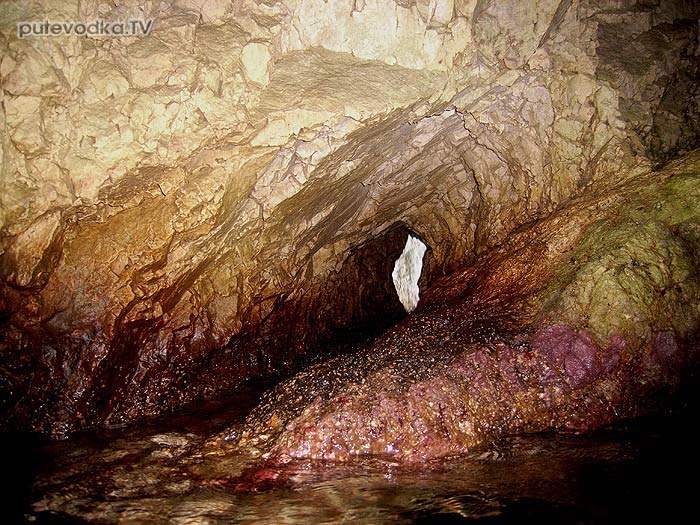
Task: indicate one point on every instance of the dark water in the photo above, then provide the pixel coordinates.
(642, 470)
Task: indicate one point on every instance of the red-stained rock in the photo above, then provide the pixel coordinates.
(489, 352)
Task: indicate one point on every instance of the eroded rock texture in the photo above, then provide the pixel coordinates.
(184, 210)
(580, 319)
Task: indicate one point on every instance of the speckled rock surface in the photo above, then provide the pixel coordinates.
(505, 347)
(171, 205)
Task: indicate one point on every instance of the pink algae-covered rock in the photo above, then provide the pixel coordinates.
(664, 356)
(570, 353)
(611, 355)
(480, 393)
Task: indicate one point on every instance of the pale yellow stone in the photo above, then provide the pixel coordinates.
(104, 81)
(255, 59)
(150, 61)
(23, 120)
(34, 72)
(441, 11)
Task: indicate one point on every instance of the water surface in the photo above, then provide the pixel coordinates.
(632, 471)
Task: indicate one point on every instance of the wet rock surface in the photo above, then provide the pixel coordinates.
(505, 347)
(143, 475)
(171, 205)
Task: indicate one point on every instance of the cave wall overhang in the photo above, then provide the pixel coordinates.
(167, 201)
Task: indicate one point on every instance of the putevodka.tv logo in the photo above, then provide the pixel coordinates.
(97, 28)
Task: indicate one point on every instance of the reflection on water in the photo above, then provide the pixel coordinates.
(153, 474)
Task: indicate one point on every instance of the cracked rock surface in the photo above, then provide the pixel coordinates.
(219, 199)
(583, 318)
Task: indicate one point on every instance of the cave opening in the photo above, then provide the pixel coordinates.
(360, 301)
(407, 272)
(367, 301)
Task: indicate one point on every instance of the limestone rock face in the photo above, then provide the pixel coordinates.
(183, 210)
(577, 320)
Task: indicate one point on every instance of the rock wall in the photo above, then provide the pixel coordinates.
(167, 202)
(585, 317)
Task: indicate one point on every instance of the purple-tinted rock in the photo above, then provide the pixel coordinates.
(666, 352)
(581, 364)
(554, 343)
(611, 354)
(571, 353)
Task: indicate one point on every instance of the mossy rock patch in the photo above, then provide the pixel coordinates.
(637, 269)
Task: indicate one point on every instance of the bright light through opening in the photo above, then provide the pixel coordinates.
(407, 270)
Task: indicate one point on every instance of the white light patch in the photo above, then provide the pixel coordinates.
(407, 270)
